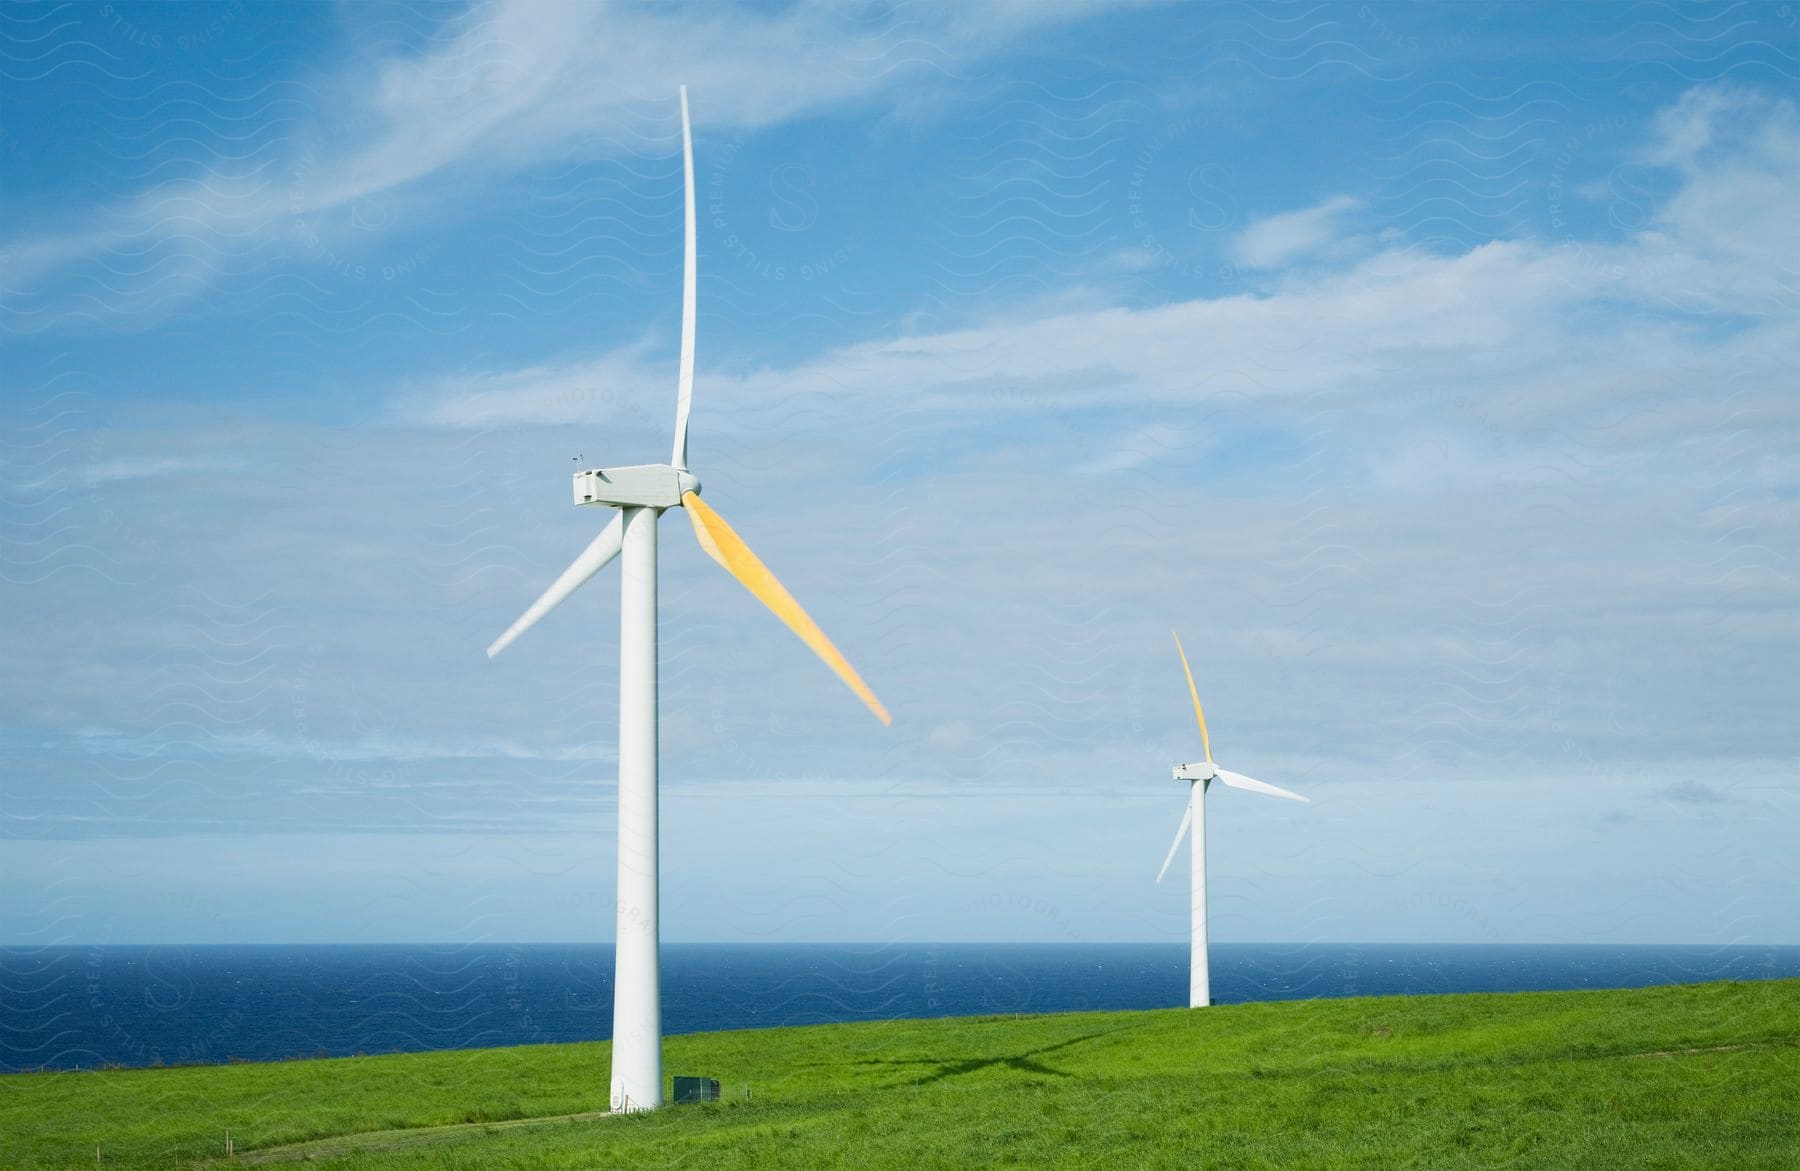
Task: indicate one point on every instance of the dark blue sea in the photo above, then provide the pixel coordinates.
(79, 1007)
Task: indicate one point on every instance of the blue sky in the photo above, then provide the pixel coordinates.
(1432, 369)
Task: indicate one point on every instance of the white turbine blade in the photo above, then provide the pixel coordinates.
(1187, 819)
(684, 387)
(591, 561)
(1240, 781)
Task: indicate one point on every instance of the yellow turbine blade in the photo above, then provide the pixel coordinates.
(1198, 714)
(728, 549)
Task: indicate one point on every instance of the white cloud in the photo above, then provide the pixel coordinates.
(545, 394)
(115, 471)
(1146, 444)
(368, 748)
(1683, 131)
(1725, 241)
(1505, 315)
(1525, 333)
(1275, 240)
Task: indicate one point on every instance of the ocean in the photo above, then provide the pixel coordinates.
(87, 1007)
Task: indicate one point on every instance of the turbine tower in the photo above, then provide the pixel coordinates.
(1199, 777)
(641, 494)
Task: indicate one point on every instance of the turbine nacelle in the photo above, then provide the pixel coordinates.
(1206, 770)
(640, 486)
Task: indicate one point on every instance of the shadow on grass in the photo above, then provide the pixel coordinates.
(949, 1067)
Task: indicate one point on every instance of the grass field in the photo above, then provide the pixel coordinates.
(1702, 1076)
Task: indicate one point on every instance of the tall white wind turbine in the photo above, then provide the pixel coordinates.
(1199, 777)
(641, 494)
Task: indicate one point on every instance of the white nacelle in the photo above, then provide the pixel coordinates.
(643, 486)
(1196, 772)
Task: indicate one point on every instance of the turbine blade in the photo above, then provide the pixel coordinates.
(1187, 819)
(592, 560)
(1198, 714)
(684, 386)
(728, 549)
(1240, 781)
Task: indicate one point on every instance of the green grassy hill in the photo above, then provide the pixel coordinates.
(1704, 1076)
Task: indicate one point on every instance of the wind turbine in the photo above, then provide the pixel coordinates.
(641, 494)
(1199, 777)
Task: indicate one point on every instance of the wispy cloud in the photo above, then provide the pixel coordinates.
(333, 750)
(590, 390)
(1511, 320)
(1691, 792)
(121, 470)
(1275, 240)
(1144, 445)
(502, 86)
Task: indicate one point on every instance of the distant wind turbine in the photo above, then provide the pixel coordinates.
(1199, 777)
(640, 494)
